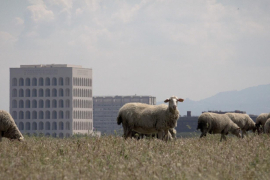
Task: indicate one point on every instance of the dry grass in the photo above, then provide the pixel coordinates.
(112, 157)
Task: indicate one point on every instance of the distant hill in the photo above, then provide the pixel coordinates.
(253, 100)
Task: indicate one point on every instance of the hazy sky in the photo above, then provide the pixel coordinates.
(189, 48)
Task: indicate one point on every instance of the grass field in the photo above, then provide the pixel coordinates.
(111, 157)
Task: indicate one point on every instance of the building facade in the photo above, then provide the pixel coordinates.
(105, 109)
(52, 100)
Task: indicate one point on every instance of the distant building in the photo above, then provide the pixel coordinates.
(223, 112)
(105, 109)
(187, 124)
(52, 100)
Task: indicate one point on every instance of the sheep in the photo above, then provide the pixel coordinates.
(8, 128)
(243, 121)
(217, 123)
(260, 121)
(267, 126)
(149, 119)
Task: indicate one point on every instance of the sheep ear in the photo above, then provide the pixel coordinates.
(180, 100)
(166, 100)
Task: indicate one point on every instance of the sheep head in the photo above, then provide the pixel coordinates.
(14, 134)
(254, 129)
(237, 132)
(258, 128)
(19, 138)
(173, 101)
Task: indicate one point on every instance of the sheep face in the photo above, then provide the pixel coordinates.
(260, 130)
(237, 132)
(254, 129)
(173, 101)
(258, 127)
(17, 137)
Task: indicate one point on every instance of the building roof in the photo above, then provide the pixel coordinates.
(131, 96)
(49, 66)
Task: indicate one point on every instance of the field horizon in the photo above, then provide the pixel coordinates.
(112, 157)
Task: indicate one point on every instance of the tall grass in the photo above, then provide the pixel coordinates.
(112, 157)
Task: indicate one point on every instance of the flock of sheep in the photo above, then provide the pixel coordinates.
(161, 120)
(234, 123)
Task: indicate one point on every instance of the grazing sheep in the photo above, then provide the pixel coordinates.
(260, 121)
(267, 126)
(243, 121)
(217, 123)
(149, 119)
(8, 128)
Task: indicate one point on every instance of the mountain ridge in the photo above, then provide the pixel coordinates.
(253, 100)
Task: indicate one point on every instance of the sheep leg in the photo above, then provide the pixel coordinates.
(167, 135)
(160, 135)
(1, 135)
(128, 133)
(244, 133)
(223, 137)
(124, 128)
(170, 137)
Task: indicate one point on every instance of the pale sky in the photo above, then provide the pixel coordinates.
(188, 48)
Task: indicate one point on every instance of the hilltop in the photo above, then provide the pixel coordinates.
(253, 100)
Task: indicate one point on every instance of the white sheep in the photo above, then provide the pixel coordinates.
(267, 126)
(149, 119)
(8, 128)
(217, 124)
(243, 121)
(260, 121)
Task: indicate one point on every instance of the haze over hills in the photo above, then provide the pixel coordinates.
(253, 100)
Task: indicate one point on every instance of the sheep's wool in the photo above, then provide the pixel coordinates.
(147, 119)
(217, 124)
(8, 128)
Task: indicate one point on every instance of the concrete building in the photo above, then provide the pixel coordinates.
(52, 100)
(106, 109)
(223, 112)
